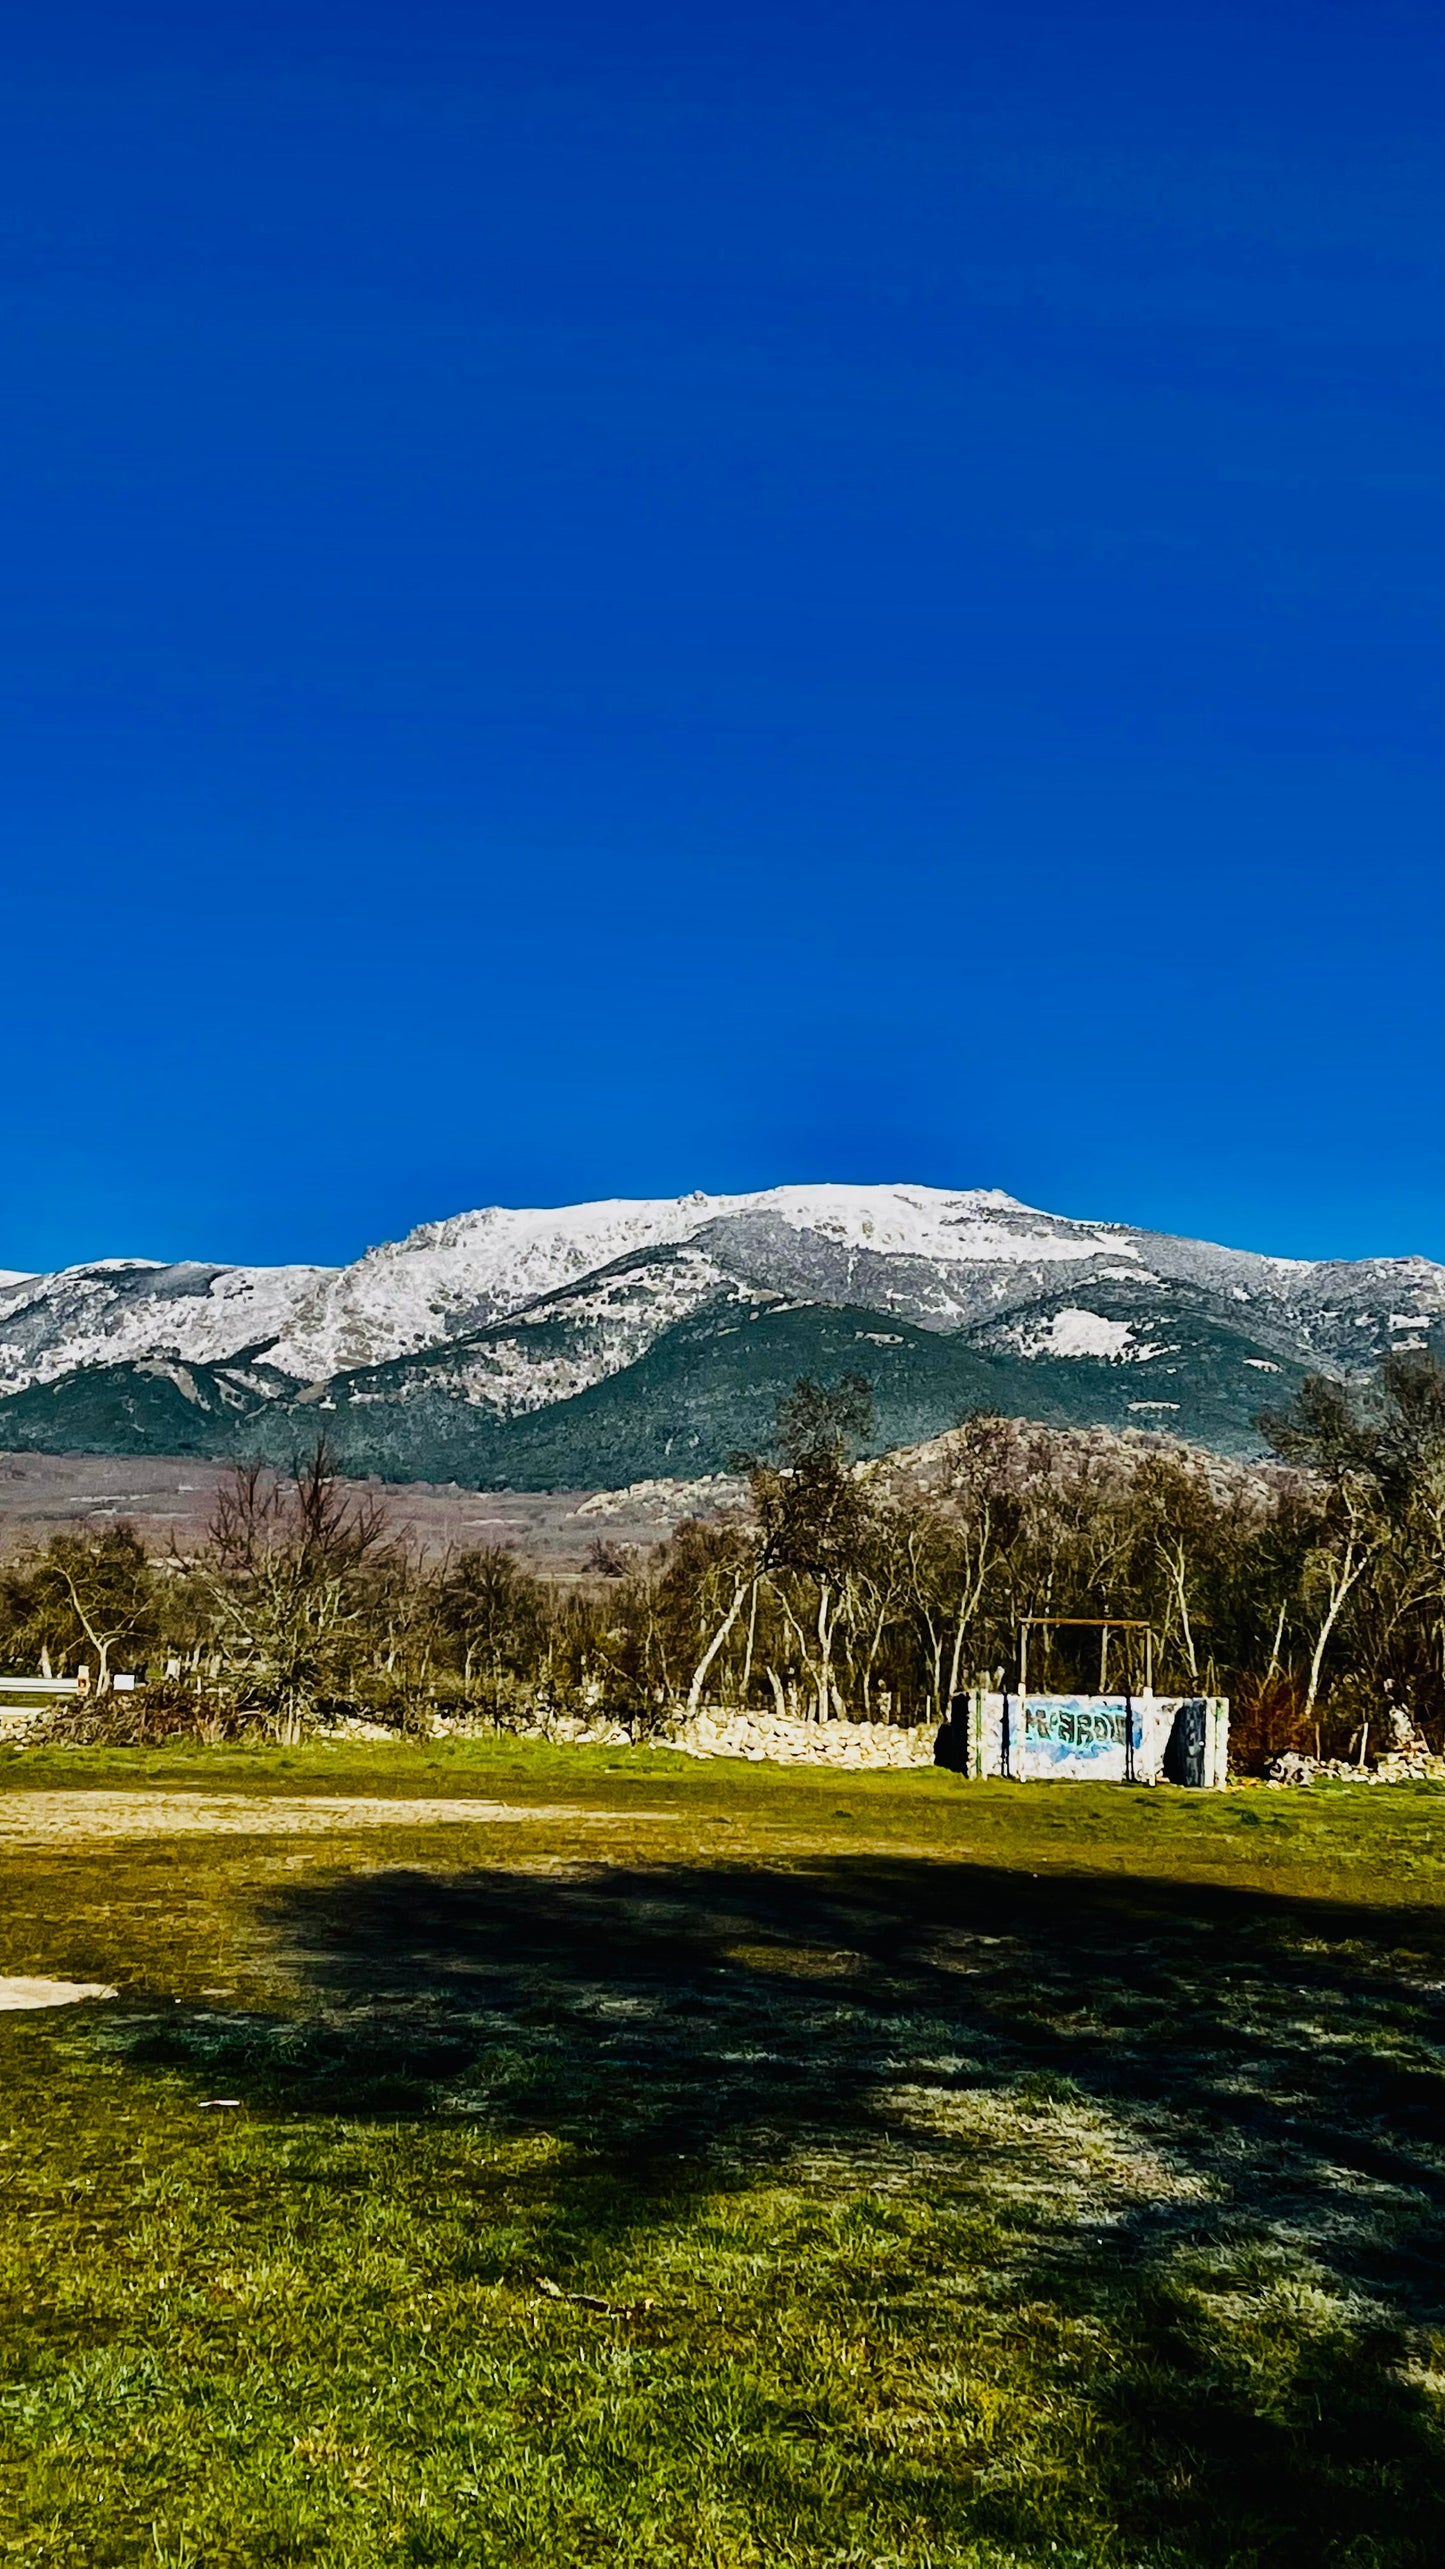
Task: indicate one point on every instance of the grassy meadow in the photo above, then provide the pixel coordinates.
(709, 2165)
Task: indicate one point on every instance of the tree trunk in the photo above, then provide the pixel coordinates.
(1178, 1572)
(752, 1637)
(699, 1674)
(871, 1661)
(825, 1651)
(1341, 1583)
(967, 1608)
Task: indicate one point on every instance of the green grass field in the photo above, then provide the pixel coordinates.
(720, 2165)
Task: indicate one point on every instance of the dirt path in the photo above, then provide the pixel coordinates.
(140, 1815)
(50, 1993)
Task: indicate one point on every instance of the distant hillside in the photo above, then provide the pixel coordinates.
(603, 1344)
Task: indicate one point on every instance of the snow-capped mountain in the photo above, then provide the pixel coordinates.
(449, 1278)
(123, 1310)
(430, 1355)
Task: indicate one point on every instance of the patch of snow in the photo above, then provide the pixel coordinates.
(982, 1225)
(1261, 1364)
(157, 1369)
(1075, 1332)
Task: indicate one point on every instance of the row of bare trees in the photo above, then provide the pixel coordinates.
(1312, 1590)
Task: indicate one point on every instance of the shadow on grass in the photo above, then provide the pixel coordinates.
(1258, 2234)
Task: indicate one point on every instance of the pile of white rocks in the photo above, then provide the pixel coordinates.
(1416, 1765)
(562, 1730)
(788, 1742)
(772, 1738)
(1401, 1766)
(1295, 1769)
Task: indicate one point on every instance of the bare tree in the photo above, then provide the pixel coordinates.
(285, 1580)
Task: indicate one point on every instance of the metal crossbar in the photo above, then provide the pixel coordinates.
(1103, 1625)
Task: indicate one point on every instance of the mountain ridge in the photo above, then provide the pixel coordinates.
(604, 1326)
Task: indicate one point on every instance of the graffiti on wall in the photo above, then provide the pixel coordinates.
(1101, 1739)
(1079, 1730)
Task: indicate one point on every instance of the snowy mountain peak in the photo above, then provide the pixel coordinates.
(931, 1222)
(127, 1310)
(449, 1278)
(948, 1261)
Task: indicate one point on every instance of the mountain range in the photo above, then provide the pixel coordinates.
(600, 1344)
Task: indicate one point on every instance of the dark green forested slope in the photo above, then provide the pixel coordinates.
(708, 1387)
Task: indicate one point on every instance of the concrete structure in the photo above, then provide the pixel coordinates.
(1111, 1739)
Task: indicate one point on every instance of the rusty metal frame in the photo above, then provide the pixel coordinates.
(1103, 1625)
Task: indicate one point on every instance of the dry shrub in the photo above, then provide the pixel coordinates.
(1267, 1718)
(151, 1717)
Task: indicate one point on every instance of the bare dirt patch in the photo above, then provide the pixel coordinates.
(51, 1993)
(140, 1815)
(171, 1499)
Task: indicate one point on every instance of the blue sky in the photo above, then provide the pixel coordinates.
(607, 600)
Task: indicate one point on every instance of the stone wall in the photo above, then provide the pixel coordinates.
(757, 1736)
(1401, 1766)
(772, 1736)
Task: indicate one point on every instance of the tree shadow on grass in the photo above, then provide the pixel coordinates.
(1207, 2126)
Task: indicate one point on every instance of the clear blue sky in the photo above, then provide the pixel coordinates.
(606, 599)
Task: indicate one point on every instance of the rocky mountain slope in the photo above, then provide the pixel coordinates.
(604, 1343)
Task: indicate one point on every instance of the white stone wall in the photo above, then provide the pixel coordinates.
(757, 1736)
(771, 1736)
